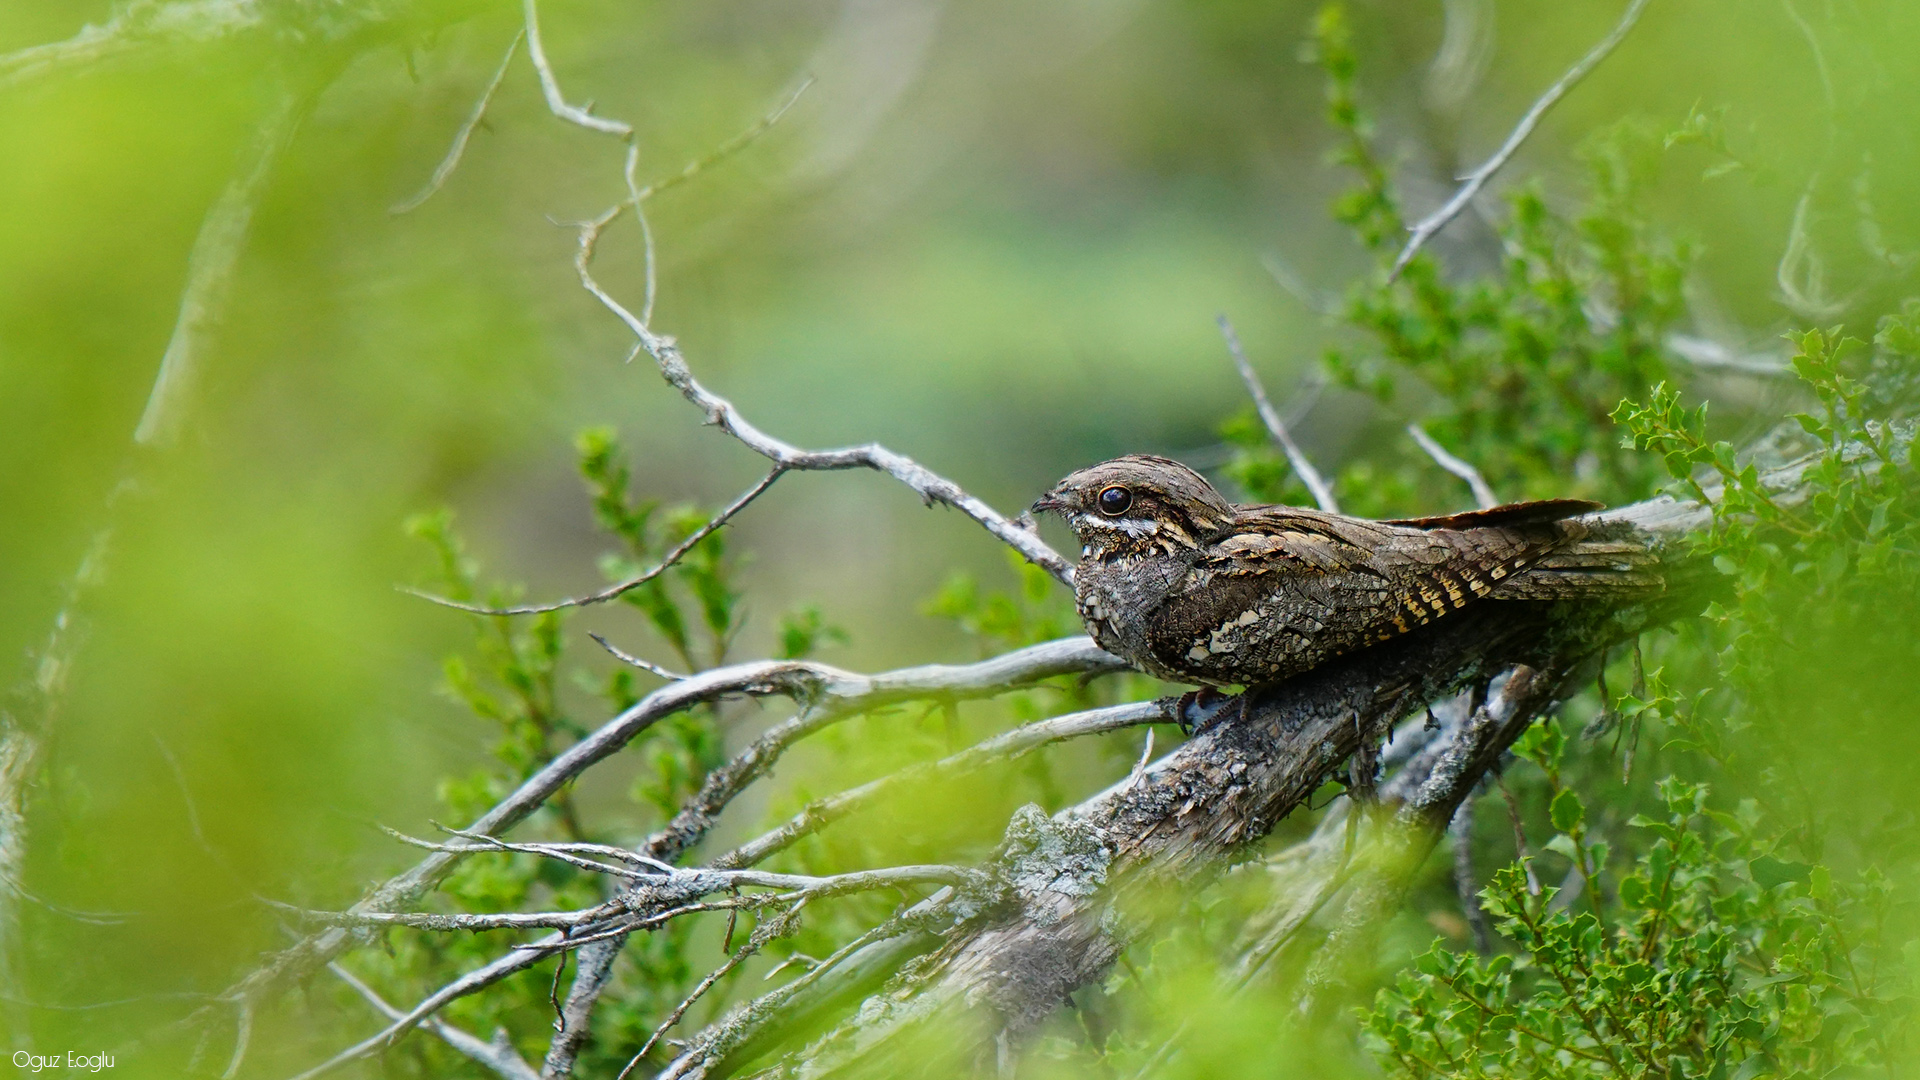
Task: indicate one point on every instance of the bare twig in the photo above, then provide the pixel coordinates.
(723, 151)
(683, 886)
(1482, 491)
(1146, 755)
(559, 852)
(1303, 468)
(550, 86)
(216, 251)
(242, 1035)
(498, 1055)
(614, 592)
(628, 658)
(459, 148)
(593, 971)
(1427, 227)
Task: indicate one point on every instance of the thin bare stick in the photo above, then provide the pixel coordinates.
(1140, 767)
(550, 86)
(210, 265)
(593, 972)
(242, 1035)
(459, 148)
(614, 592)
(557, 852)
(1303, 468)
(724, 150)
(1482, 491)
(628, 658)
(498, 1056)
(607, 850)
(1427, 227)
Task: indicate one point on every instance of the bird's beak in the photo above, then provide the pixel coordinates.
(1045, 503)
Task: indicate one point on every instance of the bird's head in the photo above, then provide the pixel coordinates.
(1138, 503)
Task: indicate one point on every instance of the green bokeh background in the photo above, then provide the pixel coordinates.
(993, 236)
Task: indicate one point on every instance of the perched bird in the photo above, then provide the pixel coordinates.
(1195, 589)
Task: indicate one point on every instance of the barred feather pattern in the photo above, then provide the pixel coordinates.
(1195, 589)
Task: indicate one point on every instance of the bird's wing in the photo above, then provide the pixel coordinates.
(1314, 585)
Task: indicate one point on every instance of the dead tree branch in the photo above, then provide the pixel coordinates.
(830, 694)
(649, 906)
(458, 150)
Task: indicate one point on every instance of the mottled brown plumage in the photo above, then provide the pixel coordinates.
(1196, 589)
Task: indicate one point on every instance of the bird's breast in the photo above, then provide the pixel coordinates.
(1118, 598)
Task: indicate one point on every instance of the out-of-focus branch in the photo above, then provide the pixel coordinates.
(1435, 790)
(1427, 227)
(1302, 466)
(1482, 491)
(136, 25)
(458, 150)
(210, 265)
(139, 25)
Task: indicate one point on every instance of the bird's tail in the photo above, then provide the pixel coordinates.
(1592, 565)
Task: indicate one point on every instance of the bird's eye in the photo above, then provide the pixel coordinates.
(1115, 500)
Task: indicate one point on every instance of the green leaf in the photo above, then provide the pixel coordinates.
(1567, 811)
(1768, 871)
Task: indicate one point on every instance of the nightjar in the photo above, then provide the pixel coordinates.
(1195, 589)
